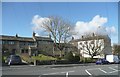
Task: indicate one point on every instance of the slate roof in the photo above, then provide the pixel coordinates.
(6, 37)
(43, 38)
(105, 37)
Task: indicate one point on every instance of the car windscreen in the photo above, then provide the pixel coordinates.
(15, 57)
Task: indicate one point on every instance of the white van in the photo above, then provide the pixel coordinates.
(112, 58)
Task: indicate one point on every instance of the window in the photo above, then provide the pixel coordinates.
(26, 51)
(11, 42)
(31, 43)
(7, 42)
(80, 43)
(44, 42)
(22, 43)
(22, 51)
(4, 42)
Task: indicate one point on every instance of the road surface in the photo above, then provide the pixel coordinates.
(62, 70)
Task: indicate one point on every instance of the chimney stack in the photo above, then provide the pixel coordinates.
(16, 35)
(34, 34)
(93, 34)
(72, 38)
(82, 37)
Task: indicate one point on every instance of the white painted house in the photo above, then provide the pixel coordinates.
(100, 44)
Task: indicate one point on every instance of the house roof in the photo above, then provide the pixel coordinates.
(25, 39)
(6, 37)
(43, 38)
(105, 37)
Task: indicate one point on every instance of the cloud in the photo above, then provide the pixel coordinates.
(38, 25)
(37, 34)
(111, 29)
(97, 25)
(37, 21)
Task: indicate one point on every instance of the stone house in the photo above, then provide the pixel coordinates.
(23, 45)
(31, 45)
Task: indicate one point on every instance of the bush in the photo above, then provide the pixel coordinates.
(27, 58)
(46, 62)
(76, 58)
(88, 60)
(3, 59)
(61, 62)
(69, 56)
(42, 57)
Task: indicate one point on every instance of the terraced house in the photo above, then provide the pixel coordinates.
(22, 45)
(32, 45)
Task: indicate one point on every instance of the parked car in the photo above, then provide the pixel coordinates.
(14, 59)
(102, 61)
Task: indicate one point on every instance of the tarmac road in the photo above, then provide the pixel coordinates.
(62, 70)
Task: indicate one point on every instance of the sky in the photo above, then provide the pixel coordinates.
(61, 0)
(23, 17)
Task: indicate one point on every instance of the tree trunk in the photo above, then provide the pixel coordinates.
(92, 57)
(60, 53)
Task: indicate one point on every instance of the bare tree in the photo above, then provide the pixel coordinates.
(116, 49)
(59, 30)
(92, 45)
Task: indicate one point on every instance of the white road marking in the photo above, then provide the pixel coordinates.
(53, 68)
(113, 69)
(67, 74)
(17, 67)
(102, 70)
(67, 71)
(58, 73)
(92, 69)
(88, 72)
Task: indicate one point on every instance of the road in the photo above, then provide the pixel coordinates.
(62, 70)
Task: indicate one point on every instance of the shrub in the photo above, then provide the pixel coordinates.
(42, 57)
(27, 58)
(3, 59)
(88, 60)
(69, 56)
(76, 58)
